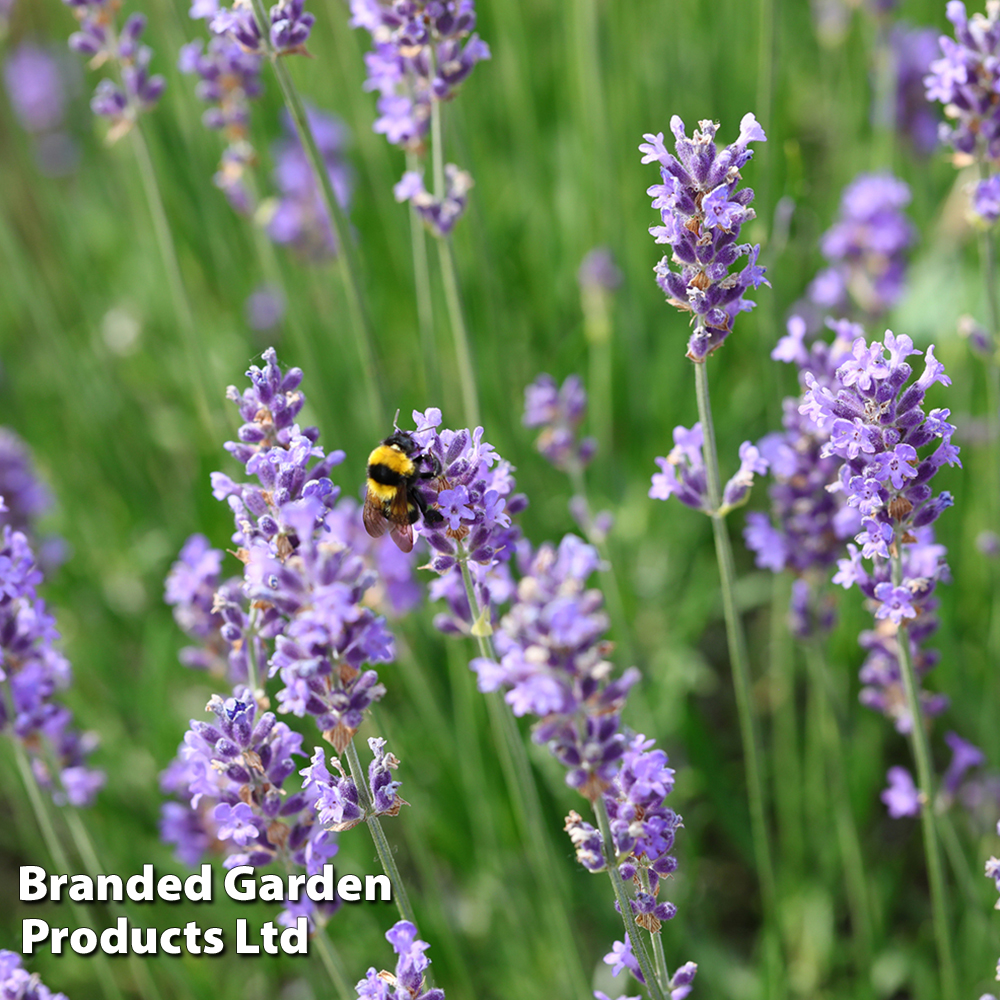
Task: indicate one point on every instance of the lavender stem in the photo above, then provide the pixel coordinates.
(85, 848)
(922, 757)
(524, 794)
(382, 846)
(739, 659)
(425, 303)
(988, 260)
(624, 904)
(333, 965)
(449, 276)
(847, 831)
(347, 255)
(168, 251)
(656, 937)
(108, 984)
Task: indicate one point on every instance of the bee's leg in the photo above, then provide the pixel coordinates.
(435, 470)
(430, 516)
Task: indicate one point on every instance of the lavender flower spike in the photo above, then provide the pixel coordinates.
(965, 81)
(407, 983)
(17, 983)
(98, 38)
(702, 210)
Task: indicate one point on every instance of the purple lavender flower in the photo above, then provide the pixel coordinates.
(32, 670)
(423, 52)
(17, 983)
(289, 29)
(559, 411)
(552, 665)
(228, 778)
(337, 803)
(808, 525)
(299, 217)
(229, 80)
(913, 50)
(408, 981)
(702, 212)
(986, 199)
(264, 308)
(902, 797)
(621, 959)
(98, 38)
(866, 248)
(25, 495)
(965, 81)
(598, 272)
(877, 427)
(682, 473)
(35, 87)
(440, 214)
(474, 478)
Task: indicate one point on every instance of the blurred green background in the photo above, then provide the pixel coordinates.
(99, 381)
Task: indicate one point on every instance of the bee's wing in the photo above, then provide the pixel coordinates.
(376, 523)
(402, 535)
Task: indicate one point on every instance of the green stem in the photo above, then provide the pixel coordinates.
(347, 254)
(624, 904)
(656, 937)
(52, 844)
(85, 848)
(524, 795)
(607, 571)
(333, 964)
(988, 259)
(449, 276)
(171, 265)
(920, 746)
(425, 302)
(847, 831)
(740, 664)
(382, 846)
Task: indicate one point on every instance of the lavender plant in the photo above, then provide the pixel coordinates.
(298, 607)
(408, 982)
(16, 983)
(702, 209)
(36, 85)
(423, 51)
(878, 430)
(551, 662)
(99, 38)
(32, 671)
(866, 250)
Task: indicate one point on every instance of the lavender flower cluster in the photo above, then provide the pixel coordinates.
(229, 70)
(808, 525)
(559, 412)
(16, 983)
(288, 31)
(682, 473)
(407, 982)
(98, 38)
(32, 671)
(866, 249)
(423, 51)
(298, 608)
(229, 778)
(474, 494)
(36, 83)
(876, 425)
(965, 81)
(702, 210)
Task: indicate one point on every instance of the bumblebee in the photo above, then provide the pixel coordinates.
(392, 501)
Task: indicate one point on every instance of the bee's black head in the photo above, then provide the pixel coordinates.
(403, 441)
